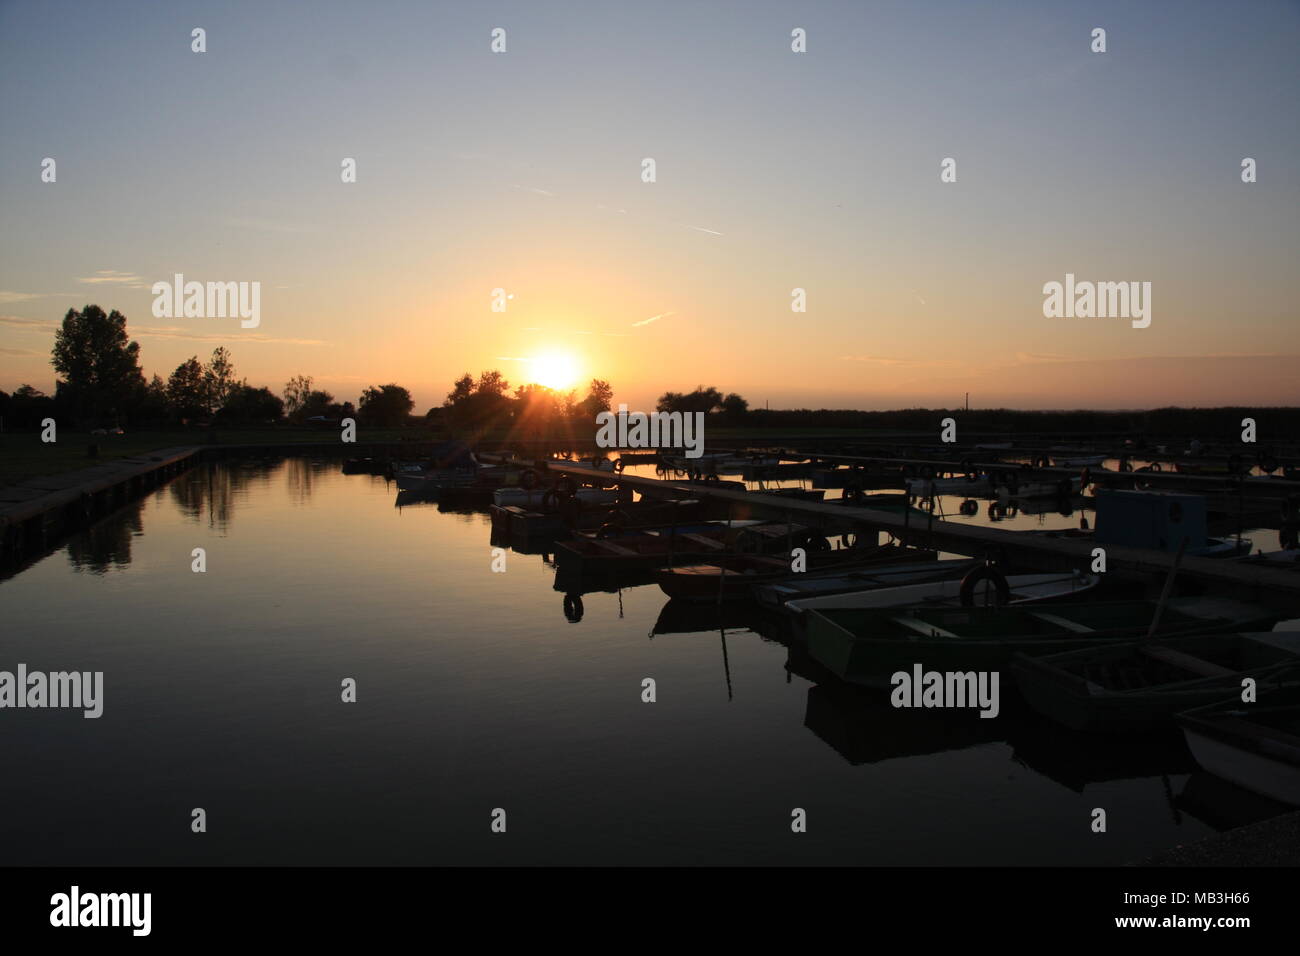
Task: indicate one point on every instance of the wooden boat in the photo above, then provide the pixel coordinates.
(1021, 589)
(532, 497)
(1143, 685)
(609, 550)
(1255, 746)
(733, 578)
(589, 554)
(1079, 461)
(867, 646)
(814, 585)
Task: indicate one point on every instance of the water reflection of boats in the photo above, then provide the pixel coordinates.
(1223, 805)
(692, 617)
(863, 727)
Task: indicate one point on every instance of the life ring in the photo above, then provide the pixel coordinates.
(969, 507)
(817, 542)
(529, 479)
(610, 529)
(618, 465)
(985, 572)
(1155, 466)
(573, 607)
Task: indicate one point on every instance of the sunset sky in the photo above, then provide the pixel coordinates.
(775, 170)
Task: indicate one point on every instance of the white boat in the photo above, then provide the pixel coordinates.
(1256, 746)
(532, 498)
(1222, 548)
(808, 586)
(1022, 589)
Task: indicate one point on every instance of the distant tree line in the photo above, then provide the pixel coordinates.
(101, 384)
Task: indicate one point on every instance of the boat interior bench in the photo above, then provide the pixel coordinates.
(1186, 662)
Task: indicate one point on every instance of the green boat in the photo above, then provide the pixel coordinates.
(868, 646)
(1126, 687)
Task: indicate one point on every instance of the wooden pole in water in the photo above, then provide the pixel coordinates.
(1169, 586)
(722, 566)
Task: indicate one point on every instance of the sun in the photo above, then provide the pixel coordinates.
(555, 370)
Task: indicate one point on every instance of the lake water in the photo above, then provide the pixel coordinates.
(475, 692)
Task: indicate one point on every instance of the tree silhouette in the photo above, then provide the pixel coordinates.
(100, 365)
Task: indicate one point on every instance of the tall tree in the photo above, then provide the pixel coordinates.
(296, 392)
(599, 398)
(387, 405)
(186, 393)
(461, 390)
(219, 378)
(100, 365)
(492, 383)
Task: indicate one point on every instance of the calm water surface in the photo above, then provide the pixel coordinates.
(222, 691)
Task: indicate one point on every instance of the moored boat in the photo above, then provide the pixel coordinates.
(1142, 685)
(532, 497)
(954, 592)
(866, 646)
(814, 585)
(1255, 746)
(734, 578)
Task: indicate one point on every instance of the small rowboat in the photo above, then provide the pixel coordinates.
(808, 586)
(1021, 589)
(867, 646)
(1256, 746)
(734, 578)
(532, 498)
(1081, 461)
(1141, 686)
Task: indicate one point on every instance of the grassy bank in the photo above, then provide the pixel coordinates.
(23, 455)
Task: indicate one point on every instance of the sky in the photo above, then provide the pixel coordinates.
(775, 170)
